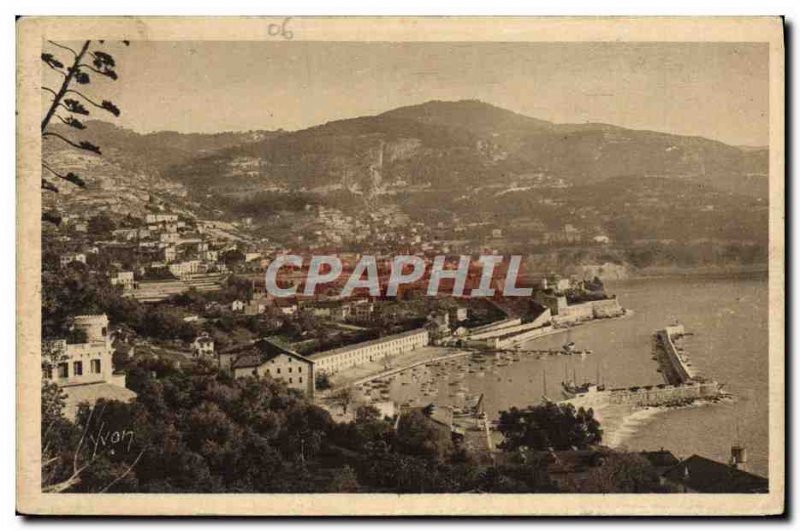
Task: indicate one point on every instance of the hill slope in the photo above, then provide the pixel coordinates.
(464, 143)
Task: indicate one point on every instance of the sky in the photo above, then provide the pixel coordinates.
(714, 90)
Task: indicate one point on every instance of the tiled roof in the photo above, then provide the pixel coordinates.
(705, 475)
(660, 458)
(348, 348)
(260, 352)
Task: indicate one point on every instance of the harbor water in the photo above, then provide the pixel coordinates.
(728, 319)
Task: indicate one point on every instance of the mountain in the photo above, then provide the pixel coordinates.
(426, 156)
(464, 143)
(152, 152)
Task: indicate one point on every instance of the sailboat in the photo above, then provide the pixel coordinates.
(572, 389)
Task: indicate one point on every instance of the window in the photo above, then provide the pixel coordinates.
(300, 380)
(63, 370)
(290, 369)
(48, 372)
(279, 370)
(267, 371)
(299, 369)
(77, 368)
(95, 366)
(290, 380)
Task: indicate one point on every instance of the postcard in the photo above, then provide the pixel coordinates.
(451, 266)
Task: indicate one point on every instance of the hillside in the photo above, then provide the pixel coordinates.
(441, 161)
(466, 143)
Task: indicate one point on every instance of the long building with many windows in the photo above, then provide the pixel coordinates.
(338, 359)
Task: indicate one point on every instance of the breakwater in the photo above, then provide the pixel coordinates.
(673, 364)
(682, 384)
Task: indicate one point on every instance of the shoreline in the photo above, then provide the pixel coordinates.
(693, 272)
(628, 313)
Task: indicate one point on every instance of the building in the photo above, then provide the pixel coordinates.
(185, 269)
(255, 307)
(566, 314)
(72, 257)
(161, 218)
(237, 305)
(85, 371)
(286, 306)
(169, 237)
(700, 474)
(662, 460)
(333, 310)
(459, 314)
(361, 310)
(124, 279)
(203, 346)
(265, 358)
(170, 254)
(333, 361)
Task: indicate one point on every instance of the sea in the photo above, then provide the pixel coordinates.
(727, 316)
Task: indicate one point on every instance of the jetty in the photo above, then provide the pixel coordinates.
(681, 383)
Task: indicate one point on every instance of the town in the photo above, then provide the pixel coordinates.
(173, 292)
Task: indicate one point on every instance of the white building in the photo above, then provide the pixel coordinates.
(85, 370)
(266, 359)
(203, 346)
(72, 257)
(333, 361)
(184, 269)
(161, 218)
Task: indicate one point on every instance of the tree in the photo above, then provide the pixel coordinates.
(549, 426)
(622, 472)
(101, 225)
(420, 436)
(66, 108)
(322, 381)
(233, 257)
(343, 397)
(92, 454)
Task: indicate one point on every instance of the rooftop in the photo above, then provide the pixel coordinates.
(260, 352)
(701, 474)
(348, 348)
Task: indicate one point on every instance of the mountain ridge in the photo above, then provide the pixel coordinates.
(439, 144)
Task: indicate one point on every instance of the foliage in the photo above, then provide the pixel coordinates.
(322, 381)
(101, 225)
(418, 434)
(65, 107)
(549, 426)
(623, 473)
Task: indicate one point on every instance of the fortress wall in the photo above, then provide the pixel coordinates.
(655, 396)
(497, 325)
(519, 338)
(505, 331)
(606, 308)
(673, 368)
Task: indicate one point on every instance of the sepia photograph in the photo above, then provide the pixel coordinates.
(400, 266)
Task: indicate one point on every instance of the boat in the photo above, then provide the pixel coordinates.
(569, 347)
(571, 389)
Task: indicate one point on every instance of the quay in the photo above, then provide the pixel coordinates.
(682, 384)
(397, 370)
